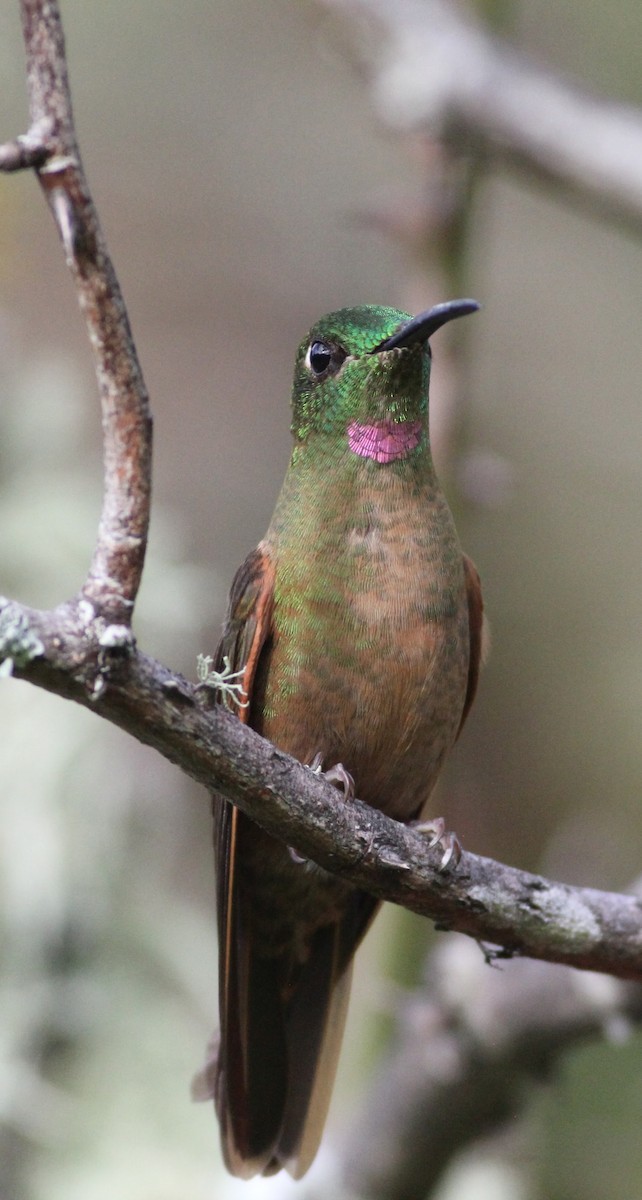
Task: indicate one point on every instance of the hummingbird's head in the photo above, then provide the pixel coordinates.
(362, 374)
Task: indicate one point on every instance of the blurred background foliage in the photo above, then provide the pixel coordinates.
(233, 155)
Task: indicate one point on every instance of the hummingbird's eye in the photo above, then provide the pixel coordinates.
(322, 356)
(319, 357)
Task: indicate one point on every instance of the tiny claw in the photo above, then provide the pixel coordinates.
(342, 778)
(296, 857)
(449, 842)
(203, 1086)
(452, 851)
(436, 827)
(336, 775)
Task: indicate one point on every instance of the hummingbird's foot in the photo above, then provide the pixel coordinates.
(336, 775)
(440, 836)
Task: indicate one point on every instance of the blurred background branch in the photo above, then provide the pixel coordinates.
(469, 1048)
(433, 67)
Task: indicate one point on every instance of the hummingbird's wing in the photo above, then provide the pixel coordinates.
(249, 1105)
(476, 628)
(272, 1071)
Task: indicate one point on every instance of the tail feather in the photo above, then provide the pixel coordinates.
(315, 1023)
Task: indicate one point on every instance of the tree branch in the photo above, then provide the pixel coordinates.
(433, 69)
(98, 666)
(50, 146)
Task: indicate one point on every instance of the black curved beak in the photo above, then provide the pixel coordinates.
(422, 327)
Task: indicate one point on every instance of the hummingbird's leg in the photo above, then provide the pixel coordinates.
(448, 841)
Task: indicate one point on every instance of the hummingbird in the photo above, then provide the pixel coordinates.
(354, 633)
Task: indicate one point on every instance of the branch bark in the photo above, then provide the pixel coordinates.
(433, 69)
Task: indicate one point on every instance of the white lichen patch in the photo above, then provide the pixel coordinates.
(117, 637)
(569, 922)
(18, 642)
(567, 910)
(227, 682)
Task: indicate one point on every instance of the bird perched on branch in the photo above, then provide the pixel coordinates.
(353, 635)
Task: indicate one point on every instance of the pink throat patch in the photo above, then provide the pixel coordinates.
(385, 441)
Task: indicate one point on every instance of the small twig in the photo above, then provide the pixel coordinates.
(433, 69)
(50, 146)
(26, 151)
